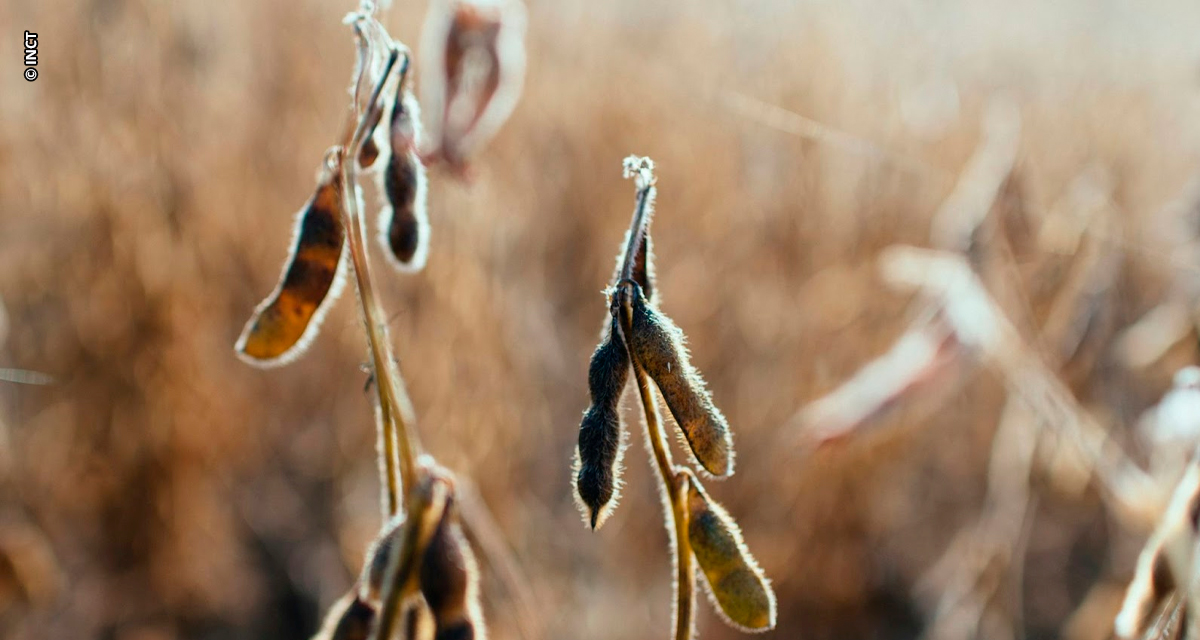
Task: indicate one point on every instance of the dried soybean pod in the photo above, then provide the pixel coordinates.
(369, 152)
(657, 344)
(284, 324)
(735, 581)
(403, 222)
(350, 618)
(473, 69)
(449, 580)
(598, 455)
(378, 555)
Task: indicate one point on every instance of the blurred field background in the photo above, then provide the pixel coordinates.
(160, 488)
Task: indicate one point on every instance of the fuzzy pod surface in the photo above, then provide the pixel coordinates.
(597, 481)
(284, 323)
(449, 581)
(404, 222)
(658, 346)
(734, 579)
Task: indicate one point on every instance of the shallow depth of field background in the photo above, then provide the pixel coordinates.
(148, 179)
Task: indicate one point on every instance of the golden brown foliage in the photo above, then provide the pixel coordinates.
(128, 265)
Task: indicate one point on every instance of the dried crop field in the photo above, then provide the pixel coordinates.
(964, 440)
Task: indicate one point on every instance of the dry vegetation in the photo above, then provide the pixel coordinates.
(159, 488)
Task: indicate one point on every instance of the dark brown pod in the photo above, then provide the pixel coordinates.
(735, 581)
(284, 324)
(598, 455)
(449, 580)
(404, 223)
(378, 556)
(369, 153)
(658, 345)
(350, 618)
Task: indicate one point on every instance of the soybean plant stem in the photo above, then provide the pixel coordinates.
(674, 485)
(398, 417)
(637, 228)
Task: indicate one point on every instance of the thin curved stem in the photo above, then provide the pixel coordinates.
(685, 594)
(637, 226)
(399, 437)
(673, 486)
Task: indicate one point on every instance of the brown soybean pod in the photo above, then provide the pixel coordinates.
(350, 618)
(658, 346)
(734, 579)
(597, 456)
(449, 580)
(378, 556)
(283, 324)
(404, 221)
(369, 152)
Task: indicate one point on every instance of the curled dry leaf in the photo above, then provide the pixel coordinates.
(658, 346)
(284, 324)
(598, 456)
(473, 67)
(734, 579)
(449, 579)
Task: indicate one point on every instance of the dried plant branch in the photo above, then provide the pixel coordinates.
(968, 204)
(997, 537)
(395, 406)
(978, 322)
(927, 360)
(641, 338)
(642, 170)
(424, 538)
(982, 556)
(674, 485)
